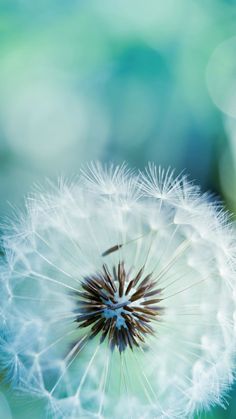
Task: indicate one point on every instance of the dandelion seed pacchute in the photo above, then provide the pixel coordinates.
(167, 363)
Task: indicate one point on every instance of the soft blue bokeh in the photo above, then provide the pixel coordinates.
(127, 80)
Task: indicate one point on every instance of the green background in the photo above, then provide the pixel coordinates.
(124, 80)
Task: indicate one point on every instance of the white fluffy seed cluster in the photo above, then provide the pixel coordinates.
(150, 221)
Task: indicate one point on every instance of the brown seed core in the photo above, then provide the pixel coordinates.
(119, 308)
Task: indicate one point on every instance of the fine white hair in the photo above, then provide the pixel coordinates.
(152, 222)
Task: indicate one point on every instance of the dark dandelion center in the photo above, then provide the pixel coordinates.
(118, 308)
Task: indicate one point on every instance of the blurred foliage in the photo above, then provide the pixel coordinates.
(127, 80)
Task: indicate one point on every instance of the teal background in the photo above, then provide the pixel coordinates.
(115, 80)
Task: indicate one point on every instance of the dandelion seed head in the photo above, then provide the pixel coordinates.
(119, 297)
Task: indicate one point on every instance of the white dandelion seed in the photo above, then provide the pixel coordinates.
(119, 297)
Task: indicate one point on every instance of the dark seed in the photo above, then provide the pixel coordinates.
(112, 249)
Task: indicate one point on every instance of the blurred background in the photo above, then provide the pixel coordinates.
(129, 80)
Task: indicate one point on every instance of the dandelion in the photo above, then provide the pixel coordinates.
(119, 297)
